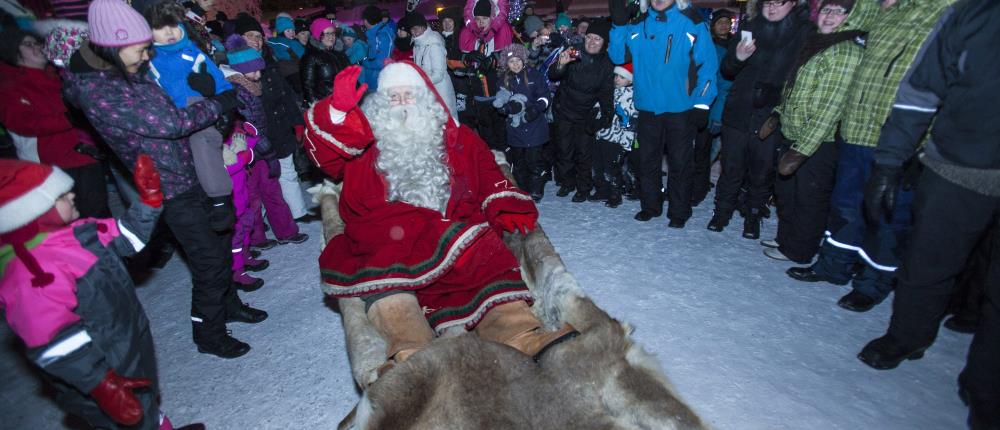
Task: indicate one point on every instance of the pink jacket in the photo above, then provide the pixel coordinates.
(238, 171)
(499, 31)
(37, 314)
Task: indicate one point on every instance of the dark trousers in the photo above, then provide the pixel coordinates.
(529, 167)
(804, 204)
(575, 158)
(980, 380)
(701, 182)
(209, 259)
(91, 188)
(970, 285)
(608, 168)
(671, 133)
(491, 126)
(852, 238)
(746, 159)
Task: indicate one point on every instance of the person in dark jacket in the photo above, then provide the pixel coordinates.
(954, 86)
(321, 62)
(586, 76)
(708, 133)
(67, 295)
(523, 97)
(758, 65)
(133, 115)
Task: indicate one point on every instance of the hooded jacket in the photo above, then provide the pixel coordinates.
(757, 82)
(380, 39)
(430, 53)
(496, 37)
(171, 64)
(532, 85)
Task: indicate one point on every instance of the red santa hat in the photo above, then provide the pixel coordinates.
(27, 191)
(408, 74)
(624, 70)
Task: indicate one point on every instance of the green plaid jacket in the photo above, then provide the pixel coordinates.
(893, 41)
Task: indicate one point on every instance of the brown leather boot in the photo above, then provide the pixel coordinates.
(401, 323)
(514, 325)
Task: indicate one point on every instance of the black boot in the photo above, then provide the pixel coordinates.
(856, 301)
(886, 353)
(962, 324)
(719, 221)
(246, 314)
(565, 190)
(581, 196)
(537, 185)
(224, 347)
(751, 225)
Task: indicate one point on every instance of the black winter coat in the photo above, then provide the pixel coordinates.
(283, 113)
(317, 69)
(757, 82)
(584, 82)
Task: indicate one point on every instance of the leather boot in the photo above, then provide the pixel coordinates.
(401, 323)
(514, 325)
(751, 225)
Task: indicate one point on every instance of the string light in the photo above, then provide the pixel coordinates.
(516, 9)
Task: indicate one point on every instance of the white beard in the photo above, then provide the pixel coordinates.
(410, 140)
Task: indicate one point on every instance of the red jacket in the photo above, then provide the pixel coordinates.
(394, 245)
(31, 107)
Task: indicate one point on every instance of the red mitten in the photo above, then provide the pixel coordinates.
(147, 181)
(513, 222)
(346, 92)
(114, 396)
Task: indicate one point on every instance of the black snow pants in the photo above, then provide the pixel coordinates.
(529, 168)
(672, 133)
(701, 181)
(91, 188)
(575, 159)
(745, 157)
(804, 204)
(608, 176)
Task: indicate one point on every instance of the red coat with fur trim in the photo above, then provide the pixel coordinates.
(395, 245)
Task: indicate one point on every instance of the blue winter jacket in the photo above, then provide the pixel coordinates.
(380, 39)
(283, 47)
(171, 65)
(662, 52)
(357, 52)
(534, 133)
(723, 85)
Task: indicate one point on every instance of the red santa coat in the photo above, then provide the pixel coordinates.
(456, 262)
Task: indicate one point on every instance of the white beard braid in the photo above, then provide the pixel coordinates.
(410, 140)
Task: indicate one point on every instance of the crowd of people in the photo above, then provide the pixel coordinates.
(819, 114)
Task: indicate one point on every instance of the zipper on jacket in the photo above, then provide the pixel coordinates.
(670, 44)
(893, 61)
(704, 90)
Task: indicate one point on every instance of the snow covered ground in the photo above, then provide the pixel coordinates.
(747, 347)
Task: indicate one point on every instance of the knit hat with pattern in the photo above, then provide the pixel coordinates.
(113, 23)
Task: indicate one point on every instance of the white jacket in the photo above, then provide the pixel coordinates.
(431, 55)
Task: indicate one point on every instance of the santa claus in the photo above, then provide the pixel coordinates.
(423, 204)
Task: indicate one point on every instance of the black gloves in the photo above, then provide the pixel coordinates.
(225, 123)
(90, 151)
(880, 191)
(221, 214)
(473, 60)
(513, 107)
(202, 82)
(227, 99)
(533, 111)
(699, 118)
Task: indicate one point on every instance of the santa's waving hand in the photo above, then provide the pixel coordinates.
(423, 204)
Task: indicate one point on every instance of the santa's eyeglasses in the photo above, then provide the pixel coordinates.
(402, 98)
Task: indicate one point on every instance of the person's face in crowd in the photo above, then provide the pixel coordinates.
(402, 96)
(661, 5)
(30, 54)
(402, 34)
(253, 76)
(303, 37)
(777, 10)
(167, 35)
(385, 19)
(621, 81)
(254, 39)
(418, 30)
(593, 44)
(328, 38)
(447, 24)
(582, 27)
(348, 41)
(545, 31)
(483, 22)
(289, 33)
(206, 4)
(134, 56)
(515, 65)
(67, 208)
(831, 17)
(528, 11)
(721, 28)
(331, 16)
(563, 28)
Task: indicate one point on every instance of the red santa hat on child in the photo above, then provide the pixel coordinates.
(408, 74)
(27, 192)
(624, 70)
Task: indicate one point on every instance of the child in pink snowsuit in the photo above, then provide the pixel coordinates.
(237, 153)
(66, 293)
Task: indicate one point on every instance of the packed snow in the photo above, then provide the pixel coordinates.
(746, 346)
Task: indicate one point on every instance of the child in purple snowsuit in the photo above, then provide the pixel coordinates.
(237, 153)
(66, 293)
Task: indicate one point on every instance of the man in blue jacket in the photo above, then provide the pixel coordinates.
(380, 36)
(668, 46)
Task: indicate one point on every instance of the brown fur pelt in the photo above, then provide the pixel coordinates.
(599, 380)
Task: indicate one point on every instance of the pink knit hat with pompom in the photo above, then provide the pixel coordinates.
(113, 24)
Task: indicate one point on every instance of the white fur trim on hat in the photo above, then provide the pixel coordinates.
(619, 70)
(400, 75)
(22, 210)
